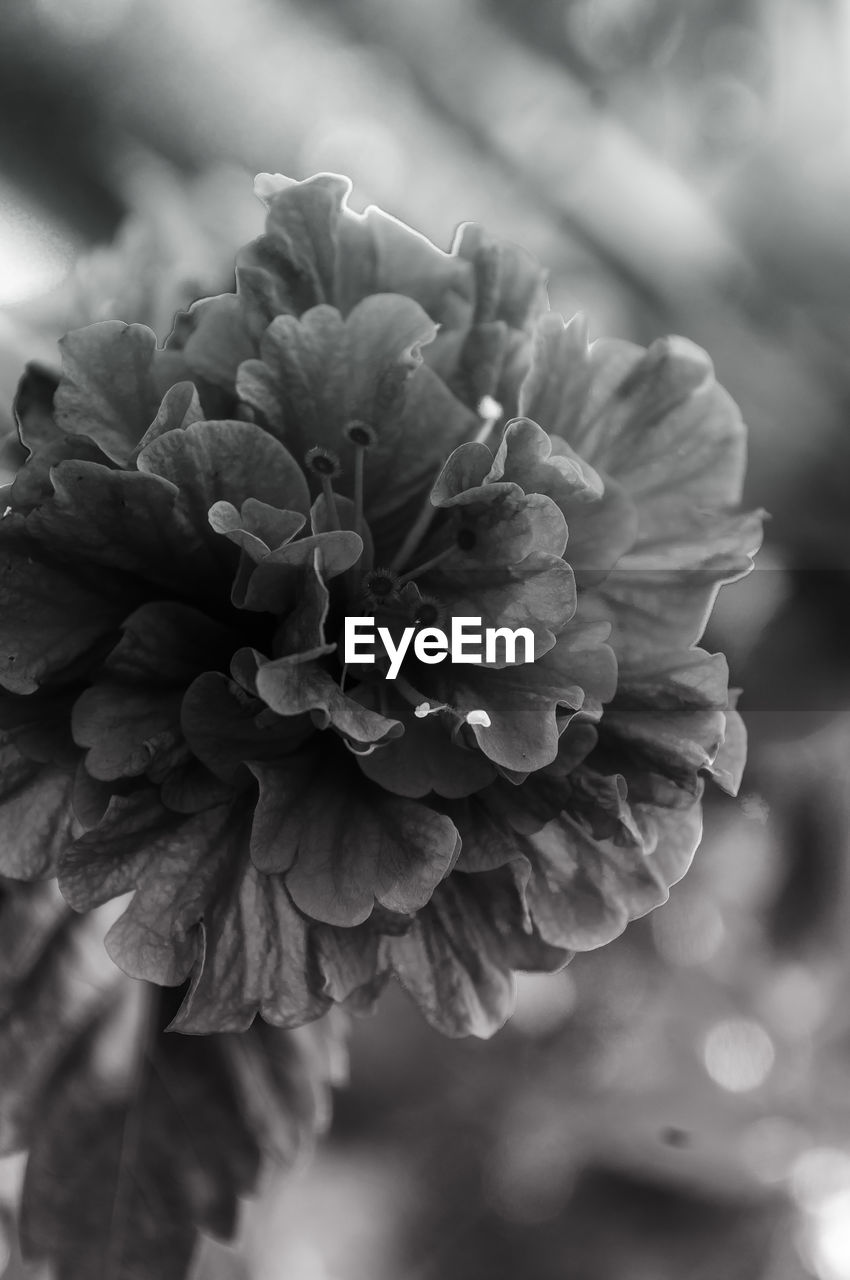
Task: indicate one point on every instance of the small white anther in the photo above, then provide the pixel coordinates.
(489, 408)
(478, 717)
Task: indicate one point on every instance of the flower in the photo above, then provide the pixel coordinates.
(366, 426)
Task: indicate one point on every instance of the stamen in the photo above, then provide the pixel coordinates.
(490, 411)
(380, 585)
(360, 434)
(325, 464)
(422, 706)
(322, 462)
(362, 437)
(427, 612)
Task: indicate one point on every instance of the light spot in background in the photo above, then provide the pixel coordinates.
(34, 254)
(543, 1002)
(819, 1174)
(738, 1054)
(820, 1183)
(769, 1148)
(688, 931)
(797, 1000)
(83, 21)
(826, 1238)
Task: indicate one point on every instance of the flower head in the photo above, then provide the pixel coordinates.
(366, 426)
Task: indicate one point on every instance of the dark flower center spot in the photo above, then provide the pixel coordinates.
(427, 615)
(381, 585)
(322, 462)
(361, 434)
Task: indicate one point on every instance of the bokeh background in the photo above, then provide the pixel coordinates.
(678, 1104)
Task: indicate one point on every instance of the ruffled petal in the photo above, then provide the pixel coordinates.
(50, 614)
(110, 388)
(344, 844)
(456, 960)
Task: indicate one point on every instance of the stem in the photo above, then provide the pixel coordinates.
(330, 502)
(416, 532)
(358, 488)
(428, 564)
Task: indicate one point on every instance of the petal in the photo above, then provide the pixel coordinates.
(211, 462)
(319, 373)
(347, 959)
(225, 726)
(600, 533)
(180, 408)
(33, 407)
(303, 631)
(221, 337)
(167, 643)
(654, 420)
(273, 585)
(538, 593)
(126, 730)
(543, 794)
(110, 390)
(187, 864)
(456, 960)
(292, 688)
(426, 759)
(506, 525)
(347, 844)
(582, 891)
(665, 724)
(297, 254)
(253, 960)
(727, 767)
(50, 616)
(662, 593)
(526, 457)
(379, 254)
(33, 481)
(106, 861)
(518, 284)
(522, 700)
(258, 528)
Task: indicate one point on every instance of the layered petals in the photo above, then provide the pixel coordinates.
(367, 430)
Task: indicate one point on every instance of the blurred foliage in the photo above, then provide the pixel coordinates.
(676, 1104)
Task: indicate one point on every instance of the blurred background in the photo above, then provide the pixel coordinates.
(678, 1104)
